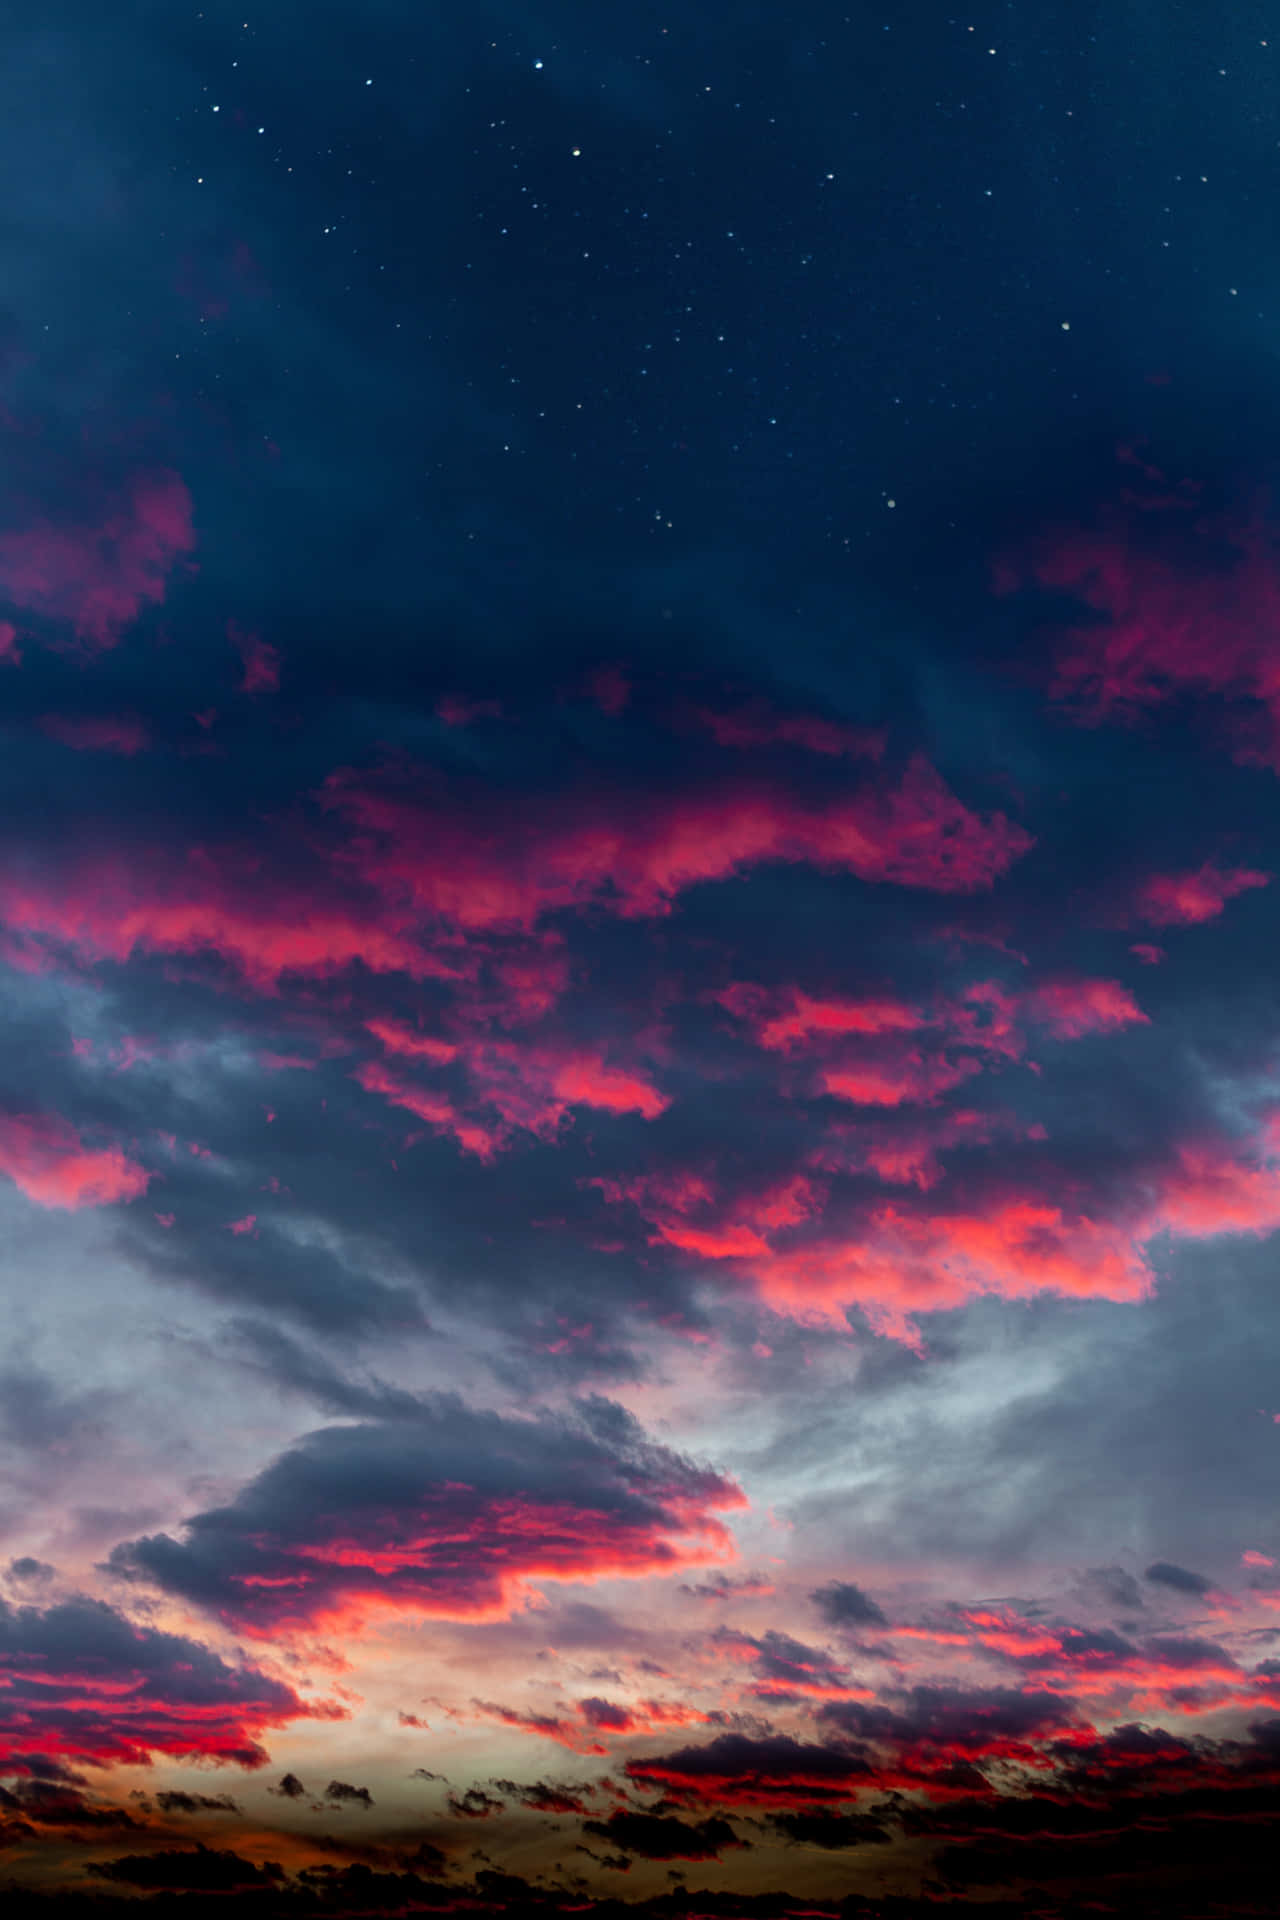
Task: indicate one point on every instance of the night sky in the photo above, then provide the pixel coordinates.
(639, 898)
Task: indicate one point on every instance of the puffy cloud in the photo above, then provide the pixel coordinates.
(1164, 1573)
(191, 1869)
(97, 576)
(456, 863)
(47, 1160)
(824, 1827)
(1189, 899)
(542, 1796)
(772, 1770)
(786, 1668)
(1072, 1008)
(347, 1795)
(1169, 617)
(895, 1261)
(842, 1604)
(261, 661)
(757, 723)
(83, 1682)
(659, 1836)
(456, 1513)
(122, 733)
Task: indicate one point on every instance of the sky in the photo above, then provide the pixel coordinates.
(639, 887)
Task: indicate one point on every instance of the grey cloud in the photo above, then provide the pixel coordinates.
(1164, 1573)
(842, 1604)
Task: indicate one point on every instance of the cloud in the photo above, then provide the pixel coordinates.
(122, 733)
(97, 576)
(455, 1514)
(656, 1836)
(175, 1800)
(460, 864)
(785, 1668)
(1072, 1008)
(29, 1571)
(82, 1682)
(1189, 899)
(841, 1604)
(542, 1796)
(1164, 1573)
(347, 1795)
(758, 724)
(892, 1261)
(194, 1869)
(1173, 606)
(1114, 1586)
(261, 661)
(582, 1726)
(47, 1160)
(774, 1770)
(823, 1827)
(474, 1804)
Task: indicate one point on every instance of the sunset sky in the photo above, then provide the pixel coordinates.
(639, 909)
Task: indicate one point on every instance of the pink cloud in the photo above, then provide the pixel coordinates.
(758, 724)
(261, 661)
(1070, 1009)
(1182, 608)
(47, 1160)
(528, 1086)
(638, 854)
(611, 690)
(1188, 899)
(98, 578)
(79, 1681)
(436, 1108)
(908, 1080)
(458, 710)
(122, 733)
(455, 1515)
(916, 1256)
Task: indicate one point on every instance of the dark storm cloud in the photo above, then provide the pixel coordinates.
(451, 1515)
